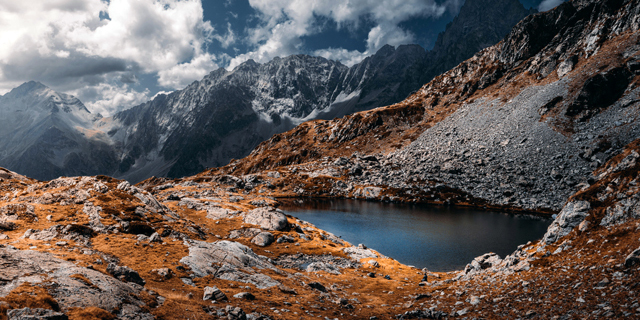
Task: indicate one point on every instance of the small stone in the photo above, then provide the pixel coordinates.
(318, 286)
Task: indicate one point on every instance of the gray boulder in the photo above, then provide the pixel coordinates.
(571, 216)
(125, 273)
(268, 218)
(213, 293)
(263, 239)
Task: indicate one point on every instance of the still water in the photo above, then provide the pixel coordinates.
(438, 238)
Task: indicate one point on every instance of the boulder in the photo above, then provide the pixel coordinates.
(125, 273)
(213, 293)
(263, 239)
(268, 218)
(70, 285)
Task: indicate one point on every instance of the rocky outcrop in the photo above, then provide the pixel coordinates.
(72, 286)
(229, 261)
(570, 217)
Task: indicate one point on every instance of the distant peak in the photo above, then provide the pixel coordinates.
(32, 85)
(27, 88)
(385, 51)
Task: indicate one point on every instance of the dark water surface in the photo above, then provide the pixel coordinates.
(438, 238)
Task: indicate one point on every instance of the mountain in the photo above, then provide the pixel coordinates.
(226, 114)
(45, 133)
(521, 125)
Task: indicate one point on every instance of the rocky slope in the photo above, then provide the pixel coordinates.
(228, 113)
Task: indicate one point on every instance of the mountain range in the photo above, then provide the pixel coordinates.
(226, 114)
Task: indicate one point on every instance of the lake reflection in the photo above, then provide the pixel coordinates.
(438, 238)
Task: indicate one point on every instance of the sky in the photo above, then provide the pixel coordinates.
(115, 54)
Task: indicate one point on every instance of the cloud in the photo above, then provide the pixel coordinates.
(284, 22)
(102, 45)
(181, 75)
(347, 57)
(547, 5)
(108, 98)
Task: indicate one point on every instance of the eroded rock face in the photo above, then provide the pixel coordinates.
(228, 260)
(66, 281)
(267, 218)
(570, 217)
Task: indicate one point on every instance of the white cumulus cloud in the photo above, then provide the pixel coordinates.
(73, 44)
(284, 22)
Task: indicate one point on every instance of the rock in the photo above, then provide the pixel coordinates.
(483, 262)
(571, 216)
(164, 273)
(286, 239)
(357, 253)
(228, 260)
(235, 313)
(244, 296)
(474, 300)
(321, 266)
(267, 218)
(7, 225)
(155, 237)
(213, 293)
(35, 314)
(600, 91)
(93, 289)
(567, 65)
(217, 213)
(125, 273)
(263, 239)
(632, 259)
(318, 286)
